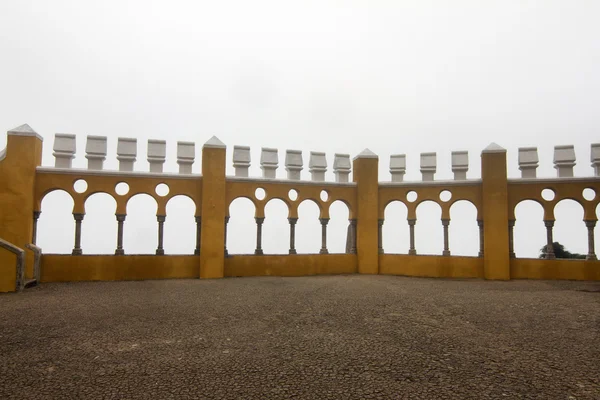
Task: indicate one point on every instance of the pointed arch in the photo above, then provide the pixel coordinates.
(276, 228)
(337, 227)
(569, 227)
(140, 230)
(429, 233)
(180, 225)
(308, 228)
(396, 234)
(99, 227)
(529, 231)
(56, 227)
(463, 230)
(241, 228)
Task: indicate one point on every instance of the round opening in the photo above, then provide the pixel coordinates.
(162, 189)
(548, 194)
(122, 188)
(293, 195)
(260, 194)
(324, 195)
(80, 186)
(411, 196)
(445, 195)
(589, 194)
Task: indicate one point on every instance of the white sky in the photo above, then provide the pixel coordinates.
(333, 76)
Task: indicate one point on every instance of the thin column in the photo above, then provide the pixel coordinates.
(549, 255)
(591, 255)
(411, 226)
(259, 223)
(353, 236)
(511, 238)
(120, 219)
(198, 234)
(292, 222)
(480, 225)
(324, 222)
(226, 222)
(78, 218)
(445, 224)
(160, 251)
(380, 236)
(36, 216)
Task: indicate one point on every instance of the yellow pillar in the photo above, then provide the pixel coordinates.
(366, 176)
(18, 162)
(212, 235)
(496, 261)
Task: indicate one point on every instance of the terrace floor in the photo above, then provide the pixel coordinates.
(329, 337)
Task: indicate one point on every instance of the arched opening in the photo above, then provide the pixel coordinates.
(308, 228)
(395, 230)
(276, 228)
(180, 226)
(140, 230)
(429, 232)
(569, 228)
(99, 226)
(241, 229)
(337, 228)
(56, 226)
(529, 234)
(463, 230)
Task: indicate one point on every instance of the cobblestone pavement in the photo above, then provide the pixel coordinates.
(335, 337)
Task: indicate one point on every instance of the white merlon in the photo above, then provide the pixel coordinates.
(157, 154)
(186, 154)
(528, 161)
(494, 148)
(293, 164)
(428, 166)
(95, 151)
(460, 165)
(126, 153)
(595, 158)
(398, 167)
(341, 167)
(366, 153)
(269, 161)
(64, 150)
(317, 165)
(564, 160)
(241, 160)
(215, 143)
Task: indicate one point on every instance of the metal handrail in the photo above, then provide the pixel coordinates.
(37, 258)
(20, 253)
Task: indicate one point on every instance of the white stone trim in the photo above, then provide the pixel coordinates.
(123, 174)
(289, 182)
(467, 182)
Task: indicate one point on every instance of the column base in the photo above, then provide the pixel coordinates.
(591, 257)
(412, 252)
(119, 252)
(480, 254)
(258, 252)
(160, 252)
(293, 251)
(323, 251)
(76, 252)
(446, 252)
(197, 252)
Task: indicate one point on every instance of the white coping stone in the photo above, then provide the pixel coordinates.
(241, 160)
(528, 161)
(24, 130)
(186, 154)
(95, 151)
(595, 158)
(398, 167)
(494, 148)
(214, 142)
(64, 150)
(460, 164)
(564, 160)
(293, 164)
(126, 153)
(366, 153)
(317, 165)
(342, 167)
(157, 154)
(428, 166)
(269, 161)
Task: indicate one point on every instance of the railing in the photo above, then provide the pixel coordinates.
(20, 265)
(37, 261)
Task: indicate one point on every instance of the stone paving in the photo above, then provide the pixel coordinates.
(334, 337)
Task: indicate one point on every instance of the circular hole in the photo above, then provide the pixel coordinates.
(80, 186)
(589, 194)
(445, 195)
(411, 196)
(122, 188)
(324, 195)
(162, 189)
(548, 194)
(293, 195)
(260, 194)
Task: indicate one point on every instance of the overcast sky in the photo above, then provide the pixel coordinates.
(333, 76)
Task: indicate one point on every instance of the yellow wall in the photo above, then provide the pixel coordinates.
(365, 174)
(533, 268)
(66, 268)
(291, 265)
(431, 266)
